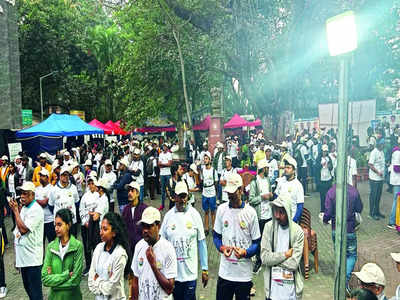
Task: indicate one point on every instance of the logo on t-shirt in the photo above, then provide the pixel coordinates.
(226, 224)
(243, 224)
(189, 225)
(140, 261)
(173, 227)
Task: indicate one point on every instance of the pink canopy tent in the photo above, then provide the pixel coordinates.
(98, 124)
(256, 123)
(115, 128)
(203, 125)
(236, 122)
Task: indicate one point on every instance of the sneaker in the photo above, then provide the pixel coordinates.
(348, 292)
(3, 292)
(252, 292)
(161, 207)
(257, 267)
(85, 272)
(391, 226)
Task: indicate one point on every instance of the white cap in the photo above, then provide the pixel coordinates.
(263, 163)
(88, 162)
(291, 161)
(284, 145)
(124, 162)
(281, 199)
(136, 151)
(325, 147)
(371, 273)
(228, 157)
(43, 155)
(64, 169)
(396, 257)
(219, 145)
(266, 148)
(234, 181)
(19, 156)
(102, 182)
(27, 186)
(4, 157)
(74, 165)
(133, 185)
(44, 172)
(193, 167)
(181, 188)
(66, 153)
(207, 154)
(93, 174)
(150, 216)
(108, 162)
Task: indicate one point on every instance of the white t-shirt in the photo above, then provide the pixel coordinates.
(282, 280)
(395, 177)
(138, 165)
(164, 158)
(29, 247)
(273, 166)
(377, 159)
(224, 176)
(294, 188)
(102, 207)
(325, 173)
(184, 230)
(238, 227)
(41, 193)
(209, 180)
(265, 206)
(88, 204)
(11, 184)
(220, 164)
(304, 152)
(191, 185)
(149, 288)
(351, 169)
(233, 149)
(64, 198)
(333, 156)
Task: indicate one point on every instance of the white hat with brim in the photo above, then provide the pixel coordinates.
(103, 183)
(124, 162)
(108, 162)
(43, 155)
(283, 145)
(133, 185)
(65, 169)
(136, 151)
(44, 172)
(234, 181)
(207, 154)
(371, 273)
(396, 257)
(4, 157)
(150, 216)
(88, 162)
(291, 161)
(193, 167)
(228, 157)
(93, 174)
(66, 153)
(263, 163)
(281, 199)
(325, 147)
(181, 188)
(27, 186)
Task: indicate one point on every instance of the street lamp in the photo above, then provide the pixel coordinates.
(342, 39)
(41, 92)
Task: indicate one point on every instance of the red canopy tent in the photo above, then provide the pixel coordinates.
(203, 125)
(256, 123)
(236, 122)
(98, 124)
(115, 128)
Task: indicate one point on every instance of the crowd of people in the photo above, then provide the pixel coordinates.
(88, 202)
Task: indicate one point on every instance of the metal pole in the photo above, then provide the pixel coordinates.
(41, 98)
(341, 185)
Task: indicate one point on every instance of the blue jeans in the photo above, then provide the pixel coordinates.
(32, 280)
(164, 181)
(185, 290)
(351, 253)
(141, 194)
(392, 218)
(219, 188)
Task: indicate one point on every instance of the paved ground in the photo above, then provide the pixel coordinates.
(375, 244)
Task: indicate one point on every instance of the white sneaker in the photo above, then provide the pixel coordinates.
(3, 292)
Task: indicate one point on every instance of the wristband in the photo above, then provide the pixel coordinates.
(205, 272)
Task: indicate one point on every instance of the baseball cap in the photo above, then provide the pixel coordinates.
(228, 157)
(93, 174)
(207, 154)
(133, 185)
(193, 167)
(234, 181)
(396, 257)
(108, 162)
(4, 157)
(65, 169)
(262, 164)
(88, 162)
(66, 153)
(219, 145)
(102, 182)
(284, 145)
(42, 155)
(136, 151)
(291, 161)
(181, 188)
(281, 199)
(44, 172)
(27, 186)
(371, 273)
(125, 162)
(325, 147)
(267, 148)
(150, 216)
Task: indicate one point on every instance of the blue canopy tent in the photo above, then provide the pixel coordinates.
(48, 135)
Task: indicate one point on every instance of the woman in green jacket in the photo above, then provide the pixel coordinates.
(62, 267)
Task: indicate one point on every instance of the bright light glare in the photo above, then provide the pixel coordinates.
(341, 32)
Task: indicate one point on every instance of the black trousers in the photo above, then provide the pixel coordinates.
(324, 187)
(151, 186)
(86, 246)
(32, 279)
(302, 175)
(227, 289)
(375, 194)
(49, 232)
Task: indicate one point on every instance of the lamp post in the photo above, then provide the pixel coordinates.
(41, 92)
(342, 39)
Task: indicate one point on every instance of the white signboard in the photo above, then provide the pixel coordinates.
(14, 149)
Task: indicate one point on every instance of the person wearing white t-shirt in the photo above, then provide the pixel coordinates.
(324, 167)
(154, 263)
(282, 246)
(190, 180)
(182, 226)
(228, 170)
(110, 176)
(351, 171)
(273, 171)
(164, 163)
(42, 194)
(65, 195)
(137, 170)
(291, 185)
(395, 181)
(28, 235)
(376, 164)
(209, 177)
(302, 170)
(236, 236)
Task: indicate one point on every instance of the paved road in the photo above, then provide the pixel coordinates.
(375, 244)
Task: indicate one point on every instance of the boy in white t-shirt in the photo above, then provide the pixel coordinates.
(209, 177)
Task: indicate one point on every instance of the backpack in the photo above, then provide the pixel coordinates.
(150, 166)
(298, 157)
